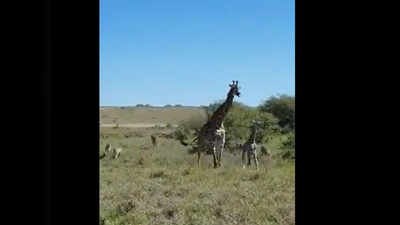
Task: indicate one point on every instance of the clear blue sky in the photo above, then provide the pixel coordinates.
(187, 52)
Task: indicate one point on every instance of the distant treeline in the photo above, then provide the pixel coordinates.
(150, 106)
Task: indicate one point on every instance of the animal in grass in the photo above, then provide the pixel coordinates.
(250, 147)
(154, 141)
(210, 135)
(116, 152)
(107, 149)
(102, 155)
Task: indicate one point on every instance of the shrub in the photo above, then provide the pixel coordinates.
(189, 128)
(288, 147)
(238, 123)
(283, 108)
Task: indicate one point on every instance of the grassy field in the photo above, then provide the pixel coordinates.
(164, 185)
(148, 114)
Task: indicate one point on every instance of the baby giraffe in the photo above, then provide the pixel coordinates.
(250, 147)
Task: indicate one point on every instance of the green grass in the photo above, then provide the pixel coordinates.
(166, 187)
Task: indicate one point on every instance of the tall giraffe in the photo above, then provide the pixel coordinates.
(210, 135)
(250, 146)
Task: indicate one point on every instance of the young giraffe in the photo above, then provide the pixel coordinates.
(209, 136)
(250, 147)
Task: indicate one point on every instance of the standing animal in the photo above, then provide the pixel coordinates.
(107, 149)
(154, 141)
(210, 135)
(117, 152)
(250, 147)
(102, 156)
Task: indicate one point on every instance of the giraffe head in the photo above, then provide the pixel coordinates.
(234, 88)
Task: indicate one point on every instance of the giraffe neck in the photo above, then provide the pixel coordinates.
(252, 138)
(222, 110)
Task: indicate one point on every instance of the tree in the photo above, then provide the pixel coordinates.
(289, 147)
(283, 108)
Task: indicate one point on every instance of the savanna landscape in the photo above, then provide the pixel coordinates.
(162, 184)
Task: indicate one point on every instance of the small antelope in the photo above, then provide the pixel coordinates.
(154, 141)
(107, 149)
(117, 152)
(102, 155)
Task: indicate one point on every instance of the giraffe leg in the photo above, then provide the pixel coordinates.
(217, 150)
(243, 159)
(255, 160)
(248, 158)
(198, 159)
(220, 157)
(215, 157)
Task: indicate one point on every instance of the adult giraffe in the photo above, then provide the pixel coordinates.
(210, 135)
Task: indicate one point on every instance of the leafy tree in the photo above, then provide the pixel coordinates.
(283, 108)
(238, 122)
(288, 147)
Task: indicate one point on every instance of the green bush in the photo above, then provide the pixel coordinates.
(238, 125)
(283, 108)
(238, 122)
(288, 147)
(190, 128)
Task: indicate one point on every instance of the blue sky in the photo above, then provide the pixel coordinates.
(187, 52)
